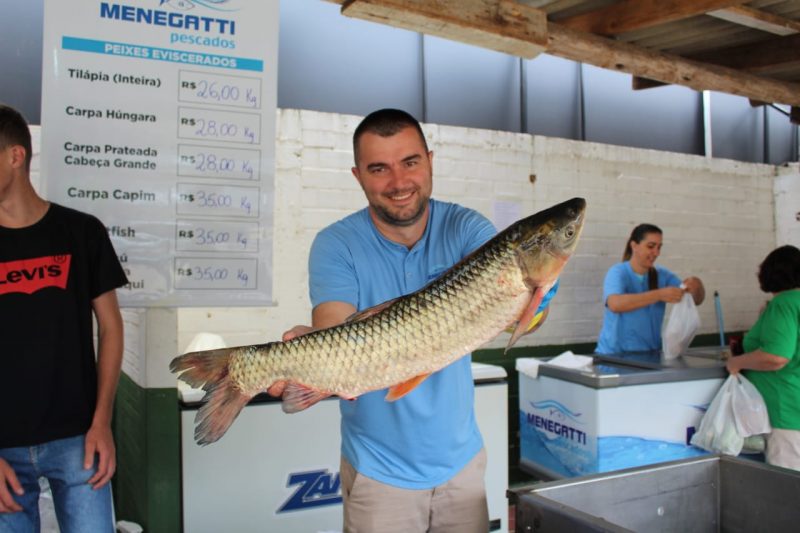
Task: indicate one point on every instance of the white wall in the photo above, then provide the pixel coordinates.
(718, 218)
(787, 205)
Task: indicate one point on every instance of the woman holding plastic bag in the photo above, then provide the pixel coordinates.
(635, 294)
(772, 355)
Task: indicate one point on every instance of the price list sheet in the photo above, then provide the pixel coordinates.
(158, 117)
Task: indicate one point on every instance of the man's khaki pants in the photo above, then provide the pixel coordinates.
(456, 506)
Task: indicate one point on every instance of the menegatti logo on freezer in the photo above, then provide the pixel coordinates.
(315, 489)
(556, 421)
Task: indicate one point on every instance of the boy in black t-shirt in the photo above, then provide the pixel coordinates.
(57, 269)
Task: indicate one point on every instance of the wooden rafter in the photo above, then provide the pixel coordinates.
(666, 68)
(757, 19)
(630, 15)
(504, 26)
(762, 57)
(518, 29)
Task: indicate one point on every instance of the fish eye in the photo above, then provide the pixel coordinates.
(569, 231)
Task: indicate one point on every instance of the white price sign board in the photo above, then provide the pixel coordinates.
(158, 117)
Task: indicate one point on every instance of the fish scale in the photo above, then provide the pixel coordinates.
(396, 344)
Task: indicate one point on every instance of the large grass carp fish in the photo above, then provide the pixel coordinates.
(396, 344)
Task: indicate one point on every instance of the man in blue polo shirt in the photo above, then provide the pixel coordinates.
(416, 464)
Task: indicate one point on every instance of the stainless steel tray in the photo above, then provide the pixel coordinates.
(707, 494)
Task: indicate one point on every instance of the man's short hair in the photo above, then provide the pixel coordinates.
(14, 132)
(385, 123)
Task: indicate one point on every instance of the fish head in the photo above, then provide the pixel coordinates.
(545, 241)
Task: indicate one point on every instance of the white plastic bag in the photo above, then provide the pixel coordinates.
(749, 409)
(683, 323)
(718, 432)
(736, 415)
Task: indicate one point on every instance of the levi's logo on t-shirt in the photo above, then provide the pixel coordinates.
(30, 275)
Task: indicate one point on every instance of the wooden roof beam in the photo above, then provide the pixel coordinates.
(757, 19)
(504, 26)
(507, 26)
(630, 15)
(776, 53)
(666, 68)
(759, 58)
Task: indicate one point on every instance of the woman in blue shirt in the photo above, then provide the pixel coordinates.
(635, 294)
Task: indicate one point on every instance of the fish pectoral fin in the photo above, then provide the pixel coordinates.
(297, 397)
(366, 313)
(535, 324)
(537, 321)
(528, 318)
(401, 389)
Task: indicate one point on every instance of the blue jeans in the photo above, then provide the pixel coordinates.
(78, 507)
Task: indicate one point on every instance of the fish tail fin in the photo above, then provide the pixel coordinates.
(201, 369)
(223, 400)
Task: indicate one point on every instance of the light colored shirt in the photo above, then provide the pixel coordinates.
(638, 330)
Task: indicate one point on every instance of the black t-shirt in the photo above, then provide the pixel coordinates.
(49, 274)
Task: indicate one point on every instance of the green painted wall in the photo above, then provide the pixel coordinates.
(147, 435)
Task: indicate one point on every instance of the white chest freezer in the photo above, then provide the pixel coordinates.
(624, 411)
(280, 473)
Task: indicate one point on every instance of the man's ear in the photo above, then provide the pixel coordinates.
(356, 174)
(18, 156)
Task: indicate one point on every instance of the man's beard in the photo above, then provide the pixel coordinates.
(393, 220)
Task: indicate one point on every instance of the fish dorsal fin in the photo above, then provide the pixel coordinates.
(527, 317)
(366, 313)
(297, 397)
(401, 389)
